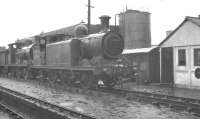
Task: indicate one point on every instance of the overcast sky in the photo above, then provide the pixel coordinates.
(25, 18)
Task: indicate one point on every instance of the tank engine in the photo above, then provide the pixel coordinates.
(89, 55)
(85, 59)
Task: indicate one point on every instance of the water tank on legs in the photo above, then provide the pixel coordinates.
(134, 26)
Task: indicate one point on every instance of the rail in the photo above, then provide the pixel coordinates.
(189, 104)
(57, 111)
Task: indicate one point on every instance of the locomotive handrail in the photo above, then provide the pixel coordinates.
(62, 67)
(15, 65)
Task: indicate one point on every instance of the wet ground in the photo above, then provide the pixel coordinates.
(102, 106)
(4, 115)
(174, 91)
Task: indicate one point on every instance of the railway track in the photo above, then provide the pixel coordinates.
(10, 100)
(12, 113)
(179, 103)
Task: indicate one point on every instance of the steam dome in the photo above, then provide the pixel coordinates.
(80, 30)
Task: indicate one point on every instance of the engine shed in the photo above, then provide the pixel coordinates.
(146, 60)
(180, 55)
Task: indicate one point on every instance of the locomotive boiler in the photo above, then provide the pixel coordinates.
(108, 45)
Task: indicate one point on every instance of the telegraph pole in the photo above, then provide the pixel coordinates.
(89, 15)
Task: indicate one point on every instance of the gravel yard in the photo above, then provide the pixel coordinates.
(103, 106)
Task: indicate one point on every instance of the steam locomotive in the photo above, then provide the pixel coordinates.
(88, 60)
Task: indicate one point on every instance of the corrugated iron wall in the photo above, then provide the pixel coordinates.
(135, 28)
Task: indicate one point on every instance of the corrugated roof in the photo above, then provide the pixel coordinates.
(70, 30)
(95, 28)
(138, 50)
(66, 31)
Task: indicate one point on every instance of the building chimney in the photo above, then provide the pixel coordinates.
(104, 22)
(168, 32)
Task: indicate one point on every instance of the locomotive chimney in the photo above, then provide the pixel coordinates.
(104, 22)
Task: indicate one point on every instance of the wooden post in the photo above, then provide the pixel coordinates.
(89, 16)
(160, 65)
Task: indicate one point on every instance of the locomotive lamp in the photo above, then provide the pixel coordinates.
(14, 46)
(42, 41)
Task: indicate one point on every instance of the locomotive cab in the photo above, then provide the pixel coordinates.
(24, 55)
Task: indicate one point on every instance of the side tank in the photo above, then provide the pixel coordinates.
(64, 53)
(3, 57)
(108, 45)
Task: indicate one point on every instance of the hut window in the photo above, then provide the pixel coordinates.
(197, 57)
(181, 57)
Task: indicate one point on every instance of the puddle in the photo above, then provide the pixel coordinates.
(79, 109)
(83, 102)
(66, 104)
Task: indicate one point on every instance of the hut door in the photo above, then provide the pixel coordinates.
(182, 66)
(195, 63)
(167, 65)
